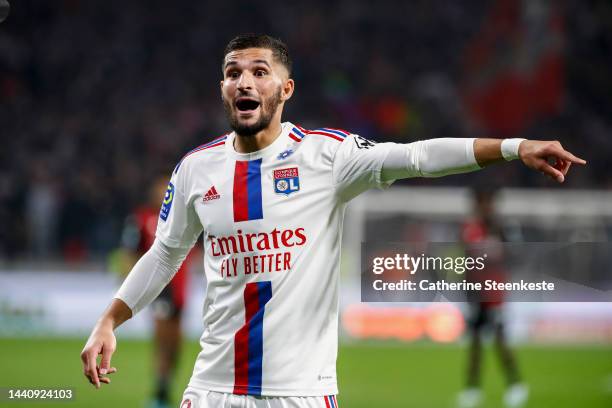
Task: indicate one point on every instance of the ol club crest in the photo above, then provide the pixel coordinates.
(286, 181)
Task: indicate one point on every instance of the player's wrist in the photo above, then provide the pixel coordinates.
(105, 323)
(510, 148)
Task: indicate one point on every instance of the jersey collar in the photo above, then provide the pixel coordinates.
(279, 144)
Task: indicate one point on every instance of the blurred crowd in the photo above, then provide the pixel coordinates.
(98, 98)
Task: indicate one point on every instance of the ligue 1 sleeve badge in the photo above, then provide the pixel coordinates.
(286, 181)
(167, 203)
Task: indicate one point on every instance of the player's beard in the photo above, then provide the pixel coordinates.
(267, 109)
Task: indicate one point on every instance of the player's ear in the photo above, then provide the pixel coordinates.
(288, 88)
(221, 89)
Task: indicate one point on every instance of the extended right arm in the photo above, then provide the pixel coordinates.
(144, 283)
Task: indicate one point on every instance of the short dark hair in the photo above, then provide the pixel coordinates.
(244, 41)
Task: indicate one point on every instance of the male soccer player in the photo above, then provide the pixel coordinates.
(486, 308)
(269, 198)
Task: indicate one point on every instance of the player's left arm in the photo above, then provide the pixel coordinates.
(360, 164)
(444, 156)
(548, 157)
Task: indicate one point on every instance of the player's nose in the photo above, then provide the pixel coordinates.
(245, 81)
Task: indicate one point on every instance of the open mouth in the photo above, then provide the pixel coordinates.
(246, 105)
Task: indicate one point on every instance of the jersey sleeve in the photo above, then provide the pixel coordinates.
(150, 275)
(357, 166)
(178, 225)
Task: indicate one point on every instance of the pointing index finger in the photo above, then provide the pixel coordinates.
(565, 155)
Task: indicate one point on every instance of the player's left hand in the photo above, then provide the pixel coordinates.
(548, 157)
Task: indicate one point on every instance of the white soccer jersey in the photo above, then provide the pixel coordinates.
(272, 224)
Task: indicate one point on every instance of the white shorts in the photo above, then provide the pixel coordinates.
(193, 398)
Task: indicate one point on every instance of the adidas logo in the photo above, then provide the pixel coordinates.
(211, 194)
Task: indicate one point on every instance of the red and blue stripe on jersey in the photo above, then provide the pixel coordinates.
(248, 341)
(247, 191)
(298, 133)
(330, 401)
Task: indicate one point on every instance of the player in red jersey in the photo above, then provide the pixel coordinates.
(486, 307)
(138, 236)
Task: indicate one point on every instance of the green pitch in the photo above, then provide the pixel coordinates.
(371, 374)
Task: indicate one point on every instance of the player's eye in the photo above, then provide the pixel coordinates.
(233, 74)
(261, 72)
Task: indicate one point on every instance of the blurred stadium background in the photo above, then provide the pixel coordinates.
(98, 98)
